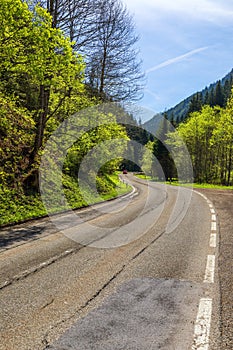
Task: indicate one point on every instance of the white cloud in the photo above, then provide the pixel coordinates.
(176, 59)
(156, 96)
(217, 11)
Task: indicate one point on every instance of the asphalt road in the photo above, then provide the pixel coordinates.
(140, 272)
(223, 202)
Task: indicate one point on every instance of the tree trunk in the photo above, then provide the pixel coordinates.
(32, 180)
(102, 78)
(229, 167)
(43, 113)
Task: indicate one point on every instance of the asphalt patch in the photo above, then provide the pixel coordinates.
(142, 314)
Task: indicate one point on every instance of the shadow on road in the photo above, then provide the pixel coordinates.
(10, 236)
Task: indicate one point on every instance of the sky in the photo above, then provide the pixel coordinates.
(185, 45)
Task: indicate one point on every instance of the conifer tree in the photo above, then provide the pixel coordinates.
(219, 95)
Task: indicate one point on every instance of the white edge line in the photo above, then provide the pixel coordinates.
(213, 226)
(213, 240)
(203, 321)
(213, 217)
(210, 269)
(202, 325)
(207, 199)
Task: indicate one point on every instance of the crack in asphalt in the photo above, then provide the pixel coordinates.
(45, 341)
(41, 266)
(38, 227)
(56, 258)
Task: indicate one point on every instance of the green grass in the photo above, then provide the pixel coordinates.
(194, 185)
(144, 177)
(119, 188)
(201, 185)
(16, 207)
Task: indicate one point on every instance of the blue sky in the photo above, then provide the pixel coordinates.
(185, 46)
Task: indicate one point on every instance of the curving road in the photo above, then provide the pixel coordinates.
(138, 272)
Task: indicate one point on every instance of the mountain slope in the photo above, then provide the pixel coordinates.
(206, 96)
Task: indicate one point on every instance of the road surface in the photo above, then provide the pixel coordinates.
(223, 202)
(134, 273)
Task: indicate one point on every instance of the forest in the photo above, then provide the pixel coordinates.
(57, 58)
(61, 57)
(208, 134)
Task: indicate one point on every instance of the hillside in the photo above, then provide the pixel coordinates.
(215, 94)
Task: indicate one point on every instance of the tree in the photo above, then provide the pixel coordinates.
(211, 101)
(219, 95)
(34, 52)
(60, 73)
(16, 139)
(223, 137)
(208, 135)
(195, 103)
(147, 159)
(97, 149)
(161, 151)
(112, 66)
(227, 90)
(76, 18)
(103, 31)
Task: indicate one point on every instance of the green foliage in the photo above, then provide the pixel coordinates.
(30, 46)
(38, 67)
(208, 135)
(41, 85)
(16, 138)
(202, 185)
(109, 138)
(16, 207)
(157, 160)
(147, 160)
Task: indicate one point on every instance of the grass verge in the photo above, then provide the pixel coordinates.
(193, 185)
(16, 207)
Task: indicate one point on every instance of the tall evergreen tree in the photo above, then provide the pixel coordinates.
(211, 97)
(161, 152)
(219, 95)
(206, 99)
(195, 103)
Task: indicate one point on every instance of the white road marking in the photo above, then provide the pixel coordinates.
(213, 240)
(213, 226)
(202, 326)
(134, 195)
(129, 194)
(35, 268)
(203, 196)
(203, 321)
(210, 269)
(213, 217)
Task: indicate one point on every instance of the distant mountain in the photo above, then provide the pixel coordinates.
(215, 94)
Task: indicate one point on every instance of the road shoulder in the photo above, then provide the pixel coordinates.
(222, 201)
